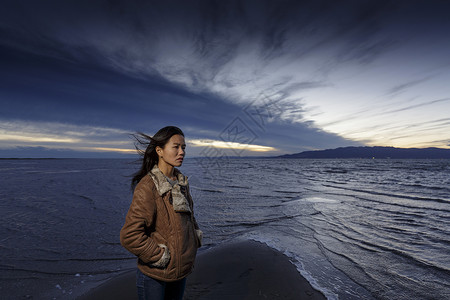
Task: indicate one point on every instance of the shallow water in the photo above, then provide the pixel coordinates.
(357, 229)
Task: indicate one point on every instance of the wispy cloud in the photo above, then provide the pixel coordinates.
(404, 86)
(419, 105)
(59, 135)
(230, 145)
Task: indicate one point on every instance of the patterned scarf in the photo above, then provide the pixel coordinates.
(180, 203)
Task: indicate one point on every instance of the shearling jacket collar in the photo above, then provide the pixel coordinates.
(180, 203)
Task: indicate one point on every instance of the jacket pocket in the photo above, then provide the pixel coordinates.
(163, 262)
(162, 242)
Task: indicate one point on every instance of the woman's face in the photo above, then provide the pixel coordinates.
(173, 152)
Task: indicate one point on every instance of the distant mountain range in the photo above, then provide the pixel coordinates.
(374, 152)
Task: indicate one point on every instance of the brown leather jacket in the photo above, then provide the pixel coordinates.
(163, 234)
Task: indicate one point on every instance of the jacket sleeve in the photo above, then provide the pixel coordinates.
(140, 216)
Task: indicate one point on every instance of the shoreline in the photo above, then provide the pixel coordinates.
(236, 270)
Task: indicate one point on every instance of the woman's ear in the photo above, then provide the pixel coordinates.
(158, 150)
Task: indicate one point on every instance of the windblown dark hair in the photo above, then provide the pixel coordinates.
(149, 155)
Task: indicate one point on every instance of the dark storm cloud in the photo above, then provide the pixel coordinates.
(136, 65)
(130, 35)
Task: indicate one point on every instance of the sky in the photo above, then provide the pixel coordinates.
(241, 78)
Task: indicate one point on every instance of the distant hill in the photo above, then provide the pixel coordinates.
(374, 152)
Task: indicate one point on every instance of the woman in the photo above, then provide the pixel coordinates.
(160, 228)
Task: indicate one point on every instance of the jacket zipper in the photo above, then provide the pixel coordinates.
(176, 227)
(178, 258)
